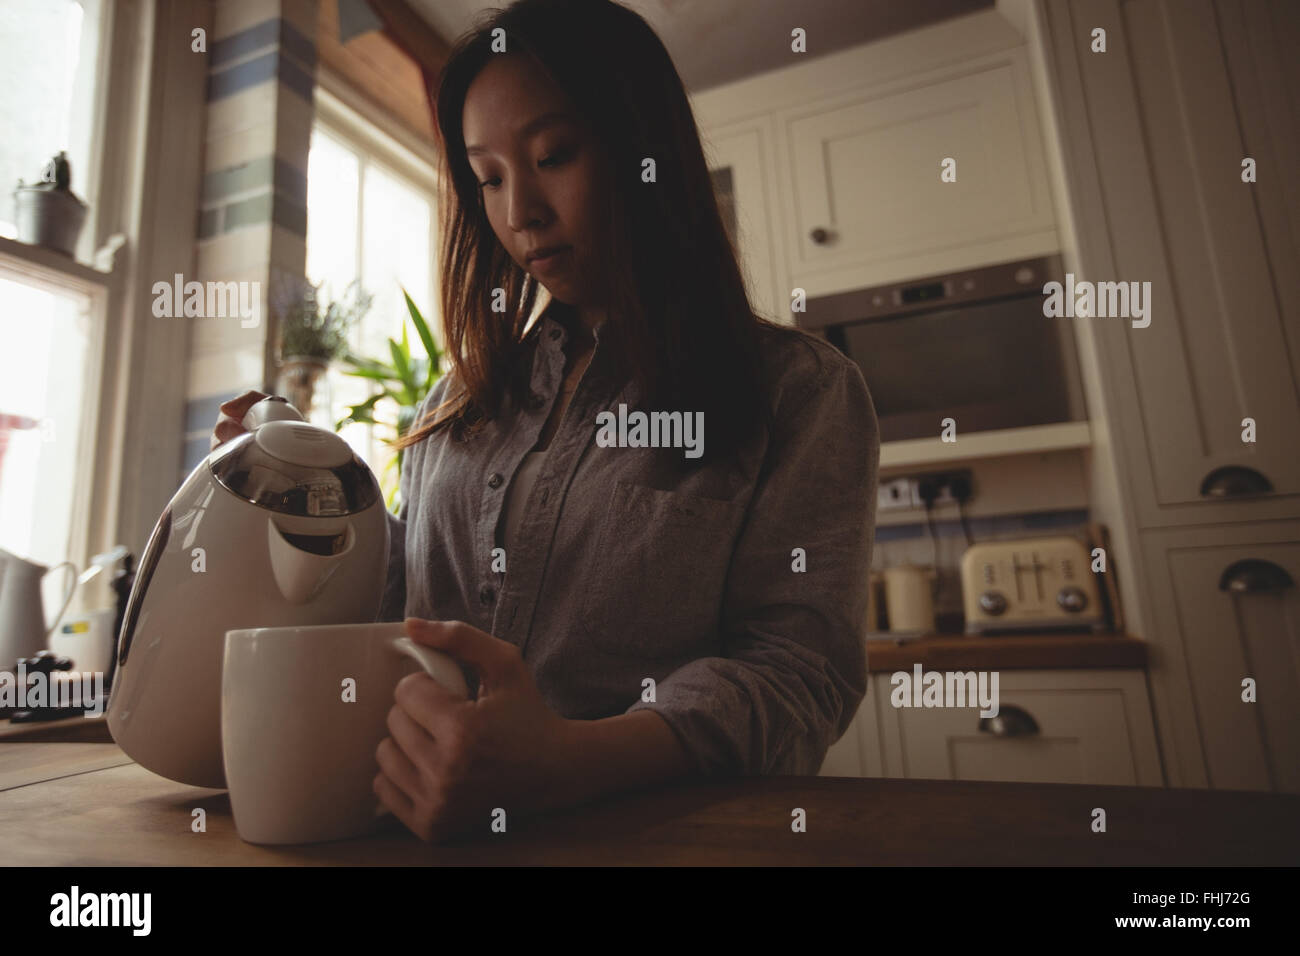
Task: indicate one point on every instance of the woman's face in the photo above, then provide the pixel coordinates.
(540, 173)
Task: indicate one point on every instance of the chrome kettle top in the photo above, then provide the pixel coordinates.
(297, 469)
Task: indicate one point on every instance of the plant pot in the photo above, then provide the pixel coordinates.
(49, 217)
(298, 377)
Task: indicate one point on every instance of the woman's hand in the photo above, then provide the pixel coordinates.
(450, 763)
(231, 422)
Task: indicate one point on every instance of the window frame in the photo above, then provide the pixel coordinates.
(146, 81)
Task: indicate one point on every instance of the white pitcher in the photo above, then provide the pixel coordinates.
(23, 630)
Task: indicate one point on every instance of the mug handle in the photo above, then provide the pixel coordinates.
(437, 665)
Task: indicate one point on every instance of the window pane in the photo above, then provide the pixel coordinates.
(42, 376)
(395, 254)
(47, 63)
(332, 182)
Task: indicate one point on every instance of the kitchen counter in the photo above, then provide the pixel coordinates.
(88, 804)
(976, 652)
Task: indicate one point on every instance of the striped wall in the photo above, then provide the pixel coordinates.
(252, 224)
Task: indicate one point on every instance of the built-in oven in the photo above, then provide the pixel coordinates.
(973, 346)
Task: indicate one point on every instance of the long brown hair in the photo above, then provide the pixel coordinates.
(680, 319)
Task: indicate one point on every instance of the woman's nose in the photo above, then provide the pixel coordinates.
(526, 208)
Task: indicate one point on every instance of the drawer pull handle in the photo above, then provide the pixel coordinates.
(1234, 481)
(1011, 721)
(1254, 576)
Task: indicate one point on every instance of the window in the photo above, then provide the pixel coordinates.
(51, 307)
(47, 335)
(48, 63)
(371, 215)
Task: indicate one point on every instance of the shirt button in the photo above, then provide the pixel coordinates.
(486, 594)
(536, 400)
(555, 333)
(495, 480)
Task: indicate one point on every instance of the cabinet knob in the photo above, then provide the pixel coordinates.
(821, 236)
(1011, 721)
(1234, 481)
(1255, 576)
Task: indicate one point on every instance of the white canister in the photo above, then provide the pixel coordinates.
(88, 639)
(909, 599)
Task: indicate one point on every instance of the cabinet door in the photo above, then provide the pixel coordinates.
(1167, 137)
(1213, 637)
(857, 753)
(1093, 727)
(739, 158)
(868, 204)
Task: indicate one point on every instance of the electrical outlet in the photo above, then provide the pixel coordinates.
(897, 494)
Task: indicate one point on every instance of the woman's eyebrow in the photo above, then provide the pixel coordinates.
(528, 130)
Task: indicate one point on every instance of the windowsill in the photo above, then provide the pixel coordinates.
(38, 262)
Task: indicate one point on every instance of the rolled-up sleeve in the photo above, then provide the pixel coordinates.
(794, 665)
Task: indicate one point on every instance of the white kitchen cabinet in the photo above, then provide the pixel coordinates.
(1212, 638)
(851, 143)
(1148, 142)
(1184, 92)
(857, 753)
(741, 157)
(1093, 727)
(864, 198)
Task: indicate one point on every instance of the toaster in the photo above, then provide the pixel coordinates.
(1030, 584)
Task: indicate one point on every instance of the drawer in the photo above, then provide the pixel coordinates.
(1093, 727)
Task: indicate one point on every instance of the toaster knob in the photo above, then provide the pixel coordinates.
(992, 602)
(1072, 599)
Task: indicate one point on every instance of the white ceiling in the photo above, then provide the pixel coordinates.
(717, 41)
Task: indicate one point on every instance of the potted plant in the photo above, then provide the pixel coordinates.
(312, 334)
(405, 380)
(49, 214)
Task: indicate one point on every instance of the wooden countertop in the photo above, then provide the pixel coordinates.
(65, 806)
(976, 652)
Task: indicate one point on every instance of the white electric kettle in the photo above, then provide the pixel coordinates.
(281, 526)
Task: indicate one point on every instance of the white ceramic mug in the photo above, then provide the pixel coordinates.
(299, 754)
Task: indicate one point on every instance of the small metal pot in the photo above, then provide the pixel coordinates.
(49, 217)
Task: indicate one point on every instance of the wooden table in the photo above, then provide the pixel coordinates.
(88, 804)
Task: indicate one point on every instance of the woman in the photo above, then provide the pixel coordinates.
(639, 601)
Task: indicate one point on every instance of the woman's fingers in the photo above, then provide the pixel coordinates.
(238, 406)
(230, 424)
(398, 767)
(497, 662)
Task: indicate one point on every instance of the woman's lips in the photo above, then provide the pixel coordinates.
(552, 263)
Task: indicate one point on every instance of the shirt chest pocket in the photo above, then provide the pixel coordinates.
(657, 572)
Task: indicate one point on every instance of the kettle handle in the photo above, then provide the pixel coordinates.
(67, 598)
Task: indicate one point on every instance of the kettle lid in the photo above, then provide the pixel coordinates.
(297, 469)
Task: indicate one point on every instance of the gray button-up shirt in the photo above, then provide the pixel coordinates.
(739, 590)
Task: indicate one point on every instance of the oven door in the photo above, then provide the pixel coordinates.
(987, 365)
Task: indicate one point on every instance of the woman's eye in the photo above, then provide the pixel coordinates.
(555, 159)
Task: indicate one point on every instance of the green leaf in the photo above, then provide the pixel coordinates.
(362, 413)
(426, 338)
